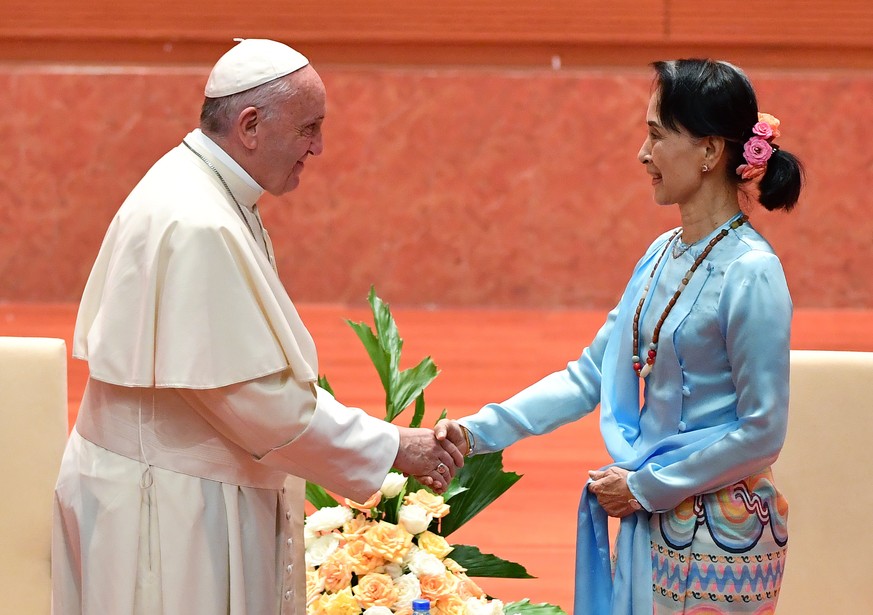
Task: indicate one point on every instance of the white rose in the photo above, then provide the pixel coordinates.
(477, 606)
(321, 548)
(414, 518)
(408, 589)
(395, 571)
(424, 563)
(378, 610)
(329, 518)
(392, 485)
(309, 535)
(481, 606)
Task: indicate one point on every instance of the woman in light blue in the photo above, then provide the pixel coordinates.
(704, 321)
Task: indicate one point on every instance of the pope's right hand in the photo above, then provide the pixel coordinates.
(421, 455)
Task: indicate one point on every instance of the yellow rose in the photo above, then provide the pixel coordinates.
(434, 544)
(314, 585)
(432, 503)
(390, 541)
(435, 587)
(336, 571)
(450, 605)
(375, 590)
(372, 502)
(340, 603)
(467, 588)
(364, 559)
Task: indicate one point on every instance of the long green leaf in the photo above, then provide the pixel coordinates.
(410, 383)
(485, 480)
(454, 489)
(524, 607)
(480, 564)
(386, 329)
(318, 497)
(381, 361)
(419, 411)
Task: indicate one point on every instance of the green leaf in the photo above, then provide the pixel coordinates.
(454, 489)
(524, 607)
(419, 411)
(480, 564)
(318, 496)
(442, 415)
(381, 361)
(324, 384)
(410, 383)
(386, 329)
(485, 480)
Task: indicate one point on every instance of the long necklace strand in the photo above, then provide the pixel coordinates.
(235, 202)
(643, 369)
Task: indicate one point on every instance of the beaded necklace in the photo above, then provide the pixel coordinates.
(643, 369)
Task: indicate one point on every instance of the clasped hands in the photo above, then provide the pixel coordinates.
(432, 456)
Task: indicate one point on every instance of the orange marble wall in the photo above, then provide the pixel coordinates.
(445, 187)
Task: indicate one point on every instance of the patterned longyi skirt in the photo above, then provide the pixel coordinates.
(723, 552)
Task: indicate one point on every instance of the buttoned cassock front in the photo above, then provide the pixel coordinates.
(182, 487)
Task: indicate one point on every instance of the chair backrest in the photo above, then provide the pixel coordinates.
(33, 430)
(824, 471)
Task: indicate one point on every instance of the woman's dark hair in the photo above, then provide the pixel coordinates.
(715, 99)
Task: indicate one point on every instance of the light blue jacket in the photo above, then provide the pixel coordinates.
(715, 409)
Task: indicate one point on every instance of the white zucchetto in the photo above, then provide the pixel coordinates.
(252, 62)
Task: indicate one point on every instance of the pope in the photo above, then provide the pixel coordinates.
(181, 489)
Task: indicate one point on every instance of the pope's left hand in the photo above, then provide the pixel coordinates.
(611, 490)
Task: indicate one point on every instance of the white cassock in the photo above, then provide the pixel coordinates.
(181, 490)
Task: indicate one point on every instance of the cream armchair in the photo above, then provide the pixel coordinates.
(33, 430)
(824, 471)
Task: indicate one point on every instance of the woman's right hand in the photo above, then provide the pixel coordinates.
(451, 431)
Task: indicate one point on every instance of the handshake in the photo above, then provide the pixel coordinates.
(432, 456)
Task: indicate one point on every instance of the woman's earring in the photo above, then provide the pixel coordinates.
(705, 168)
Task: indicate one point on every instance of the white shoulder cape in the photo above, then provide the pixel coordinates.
(181, 295)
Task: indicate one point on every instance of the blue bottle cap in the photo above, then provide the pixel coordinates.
(420, 605)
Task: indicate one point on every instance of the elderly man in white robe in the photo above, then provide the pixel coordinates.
(181, 490)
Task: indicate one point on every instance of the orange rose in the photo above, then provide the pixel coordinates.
(432, 503)
(364, 559)
(372, 502)
(434, 587)
(390, 541)
(375, 590)
(357, 526)
(450, 605)
(314, 585)
(336, 571)
(434, 544)
(467, 588)
(452, 565)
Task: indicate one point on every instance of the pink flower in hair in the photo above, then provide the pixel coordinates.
(772, 122)
(757, 151)
(763, 130)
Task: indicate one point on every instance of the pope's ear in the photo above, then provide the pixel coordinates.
(246, 127)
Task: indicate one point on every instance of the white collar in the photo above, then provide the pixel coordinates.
(197, 137)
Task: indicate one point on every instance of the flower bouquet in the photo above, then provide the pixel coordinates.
(376, 557)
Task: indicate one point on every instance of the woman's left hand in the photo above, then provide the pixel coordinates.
(611, 490)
